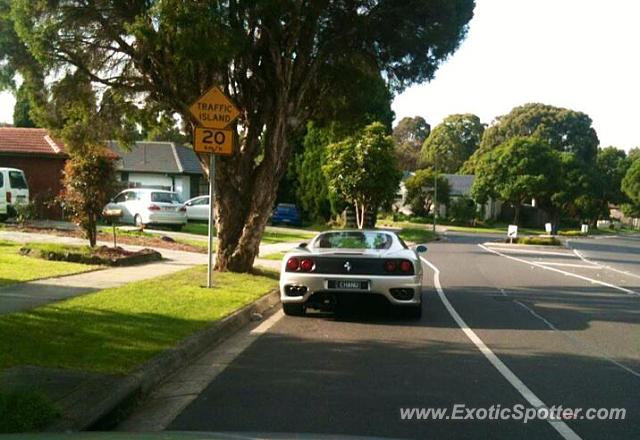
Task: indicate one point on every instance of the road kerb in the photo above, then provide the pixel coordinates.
(84, 412)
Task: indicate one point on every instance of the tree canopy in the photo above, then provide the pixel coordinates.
(22, 109)
(612, 165)
(631, 183)
(362, 170)
(421, 191)
(517, 171)
(408, 137)
(282, 62)
(562, 129)
(452, 142)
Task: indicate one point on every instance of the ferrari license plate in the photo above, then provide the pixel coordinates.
(348, 284)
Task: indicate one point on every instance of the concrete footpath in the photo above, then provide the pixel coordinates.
(28, 295)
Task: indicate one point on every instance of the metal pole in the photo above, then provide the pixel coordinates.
(212, 175)
(435, 196)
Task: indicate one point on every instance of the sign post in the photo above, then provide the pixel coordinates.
(214, 113)
(512, 232)
(212, 173)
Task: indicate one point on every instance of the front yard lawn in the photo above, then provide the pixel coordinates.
(417, 235)
(115, 330)
(275, 256)
(269, 236)
(15, 268)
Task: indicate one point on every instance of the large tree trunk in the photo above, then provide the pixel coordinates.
(245, 193)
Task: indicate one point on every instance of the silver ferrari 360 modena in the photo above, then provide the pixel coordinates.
(361, 262)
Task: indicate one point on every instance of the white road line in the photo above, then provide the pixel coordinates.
(530, 251)
(563, 429)
(580, 266)
(597, 351)
(569, 274)
(585, 259)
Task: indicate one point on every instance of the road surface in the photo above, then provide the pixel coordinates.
(501, 328)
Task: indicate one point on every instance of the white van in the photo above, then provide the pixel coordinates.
(13, 190)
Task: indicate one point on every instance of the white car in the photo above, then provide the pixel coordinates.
(360, 262)
(13, 190)
(144, 207)
(198, 208)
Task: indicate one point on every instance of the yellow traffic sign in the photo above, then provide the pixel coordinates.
(214, 109)
(213, 141)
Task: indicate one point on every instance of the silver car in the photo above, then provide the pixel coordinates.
(144, 207)
(363, 262)
(197, 209)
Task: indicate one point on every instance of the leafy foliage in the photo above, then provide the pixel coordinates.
(631, 185)
(519, 170)
(408, 137)
(362, 169)
(89, 181)
(611, 166)
(562, 129)
(22, 108)
(283, 63)
(312, 190)
(420, 191)
(452, 142)
(462, 210)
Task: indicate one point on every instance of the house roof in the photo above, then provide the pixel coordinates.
(33, 141)
(460, 184)
(157, 157)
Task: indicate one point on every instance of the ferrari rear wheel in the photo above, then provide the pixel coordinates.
(293, 309)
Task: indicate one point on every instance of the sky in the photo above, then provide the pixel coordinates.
(578, 54)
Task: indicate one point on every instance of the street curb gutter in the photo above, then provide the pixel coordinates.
(81, 408)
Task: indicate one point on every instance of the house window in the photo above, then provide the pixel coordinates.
(124, 176)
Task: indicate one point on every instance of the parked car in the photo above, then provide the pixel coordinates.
(286, 213)
(357, 262)
(198, 208)
(14, 190)
(144, 207)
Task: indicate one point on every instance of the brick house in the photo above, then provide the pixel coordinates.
(41, 157)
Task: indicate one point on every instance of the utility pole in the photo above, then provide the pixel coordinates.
(435, 193)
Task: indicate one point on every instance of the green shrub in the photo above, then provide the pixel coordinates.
(25, 411)
(572, 233)
(543, 241)
(462, 210)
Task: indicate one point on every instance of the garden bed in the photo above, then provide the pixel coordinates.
(101, 255)
(538, 241)
(136, 238)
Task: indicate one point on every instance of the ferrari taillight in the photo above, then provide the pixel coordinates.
(293, 263)
(306, 265)
(406, 266)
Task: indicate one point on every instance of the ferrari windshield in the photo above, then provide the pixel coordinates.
(354, 240)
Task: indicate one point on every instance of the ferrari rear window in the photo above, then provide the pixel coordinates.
(354, 240)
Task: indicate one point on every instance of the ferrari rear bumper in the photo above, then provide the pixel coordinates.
(399, 290)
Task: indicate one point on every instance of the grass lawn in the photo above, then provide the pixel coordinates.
(15, 268)
(25, 411)
(269, 236)
(494, 230)
(417, 235)
(275, 256)
(115, 330)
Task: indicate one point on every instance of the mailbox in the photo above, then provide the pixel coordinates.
(112, 215)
